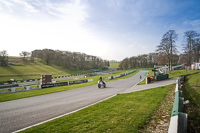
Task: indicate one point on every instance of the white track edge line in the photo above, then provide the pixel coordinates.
(62, 115)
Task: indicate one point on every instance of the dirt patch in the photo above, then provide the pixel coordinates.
(159, 122)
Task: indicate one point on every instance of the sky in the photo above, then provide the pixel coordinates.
(110, 29)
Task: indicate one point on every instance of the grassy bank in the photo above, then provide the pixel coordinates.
(114, 64)
(19, 70)
(19, 95)
(33, 71)
(122, 113)
(191, 92)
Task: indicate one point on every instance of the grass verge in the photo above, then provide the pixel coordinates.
(191, 92)
(160, 120)
(25, 94)
(122, 113)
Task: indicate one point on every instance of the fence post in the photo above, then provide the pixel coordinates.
(13, 89)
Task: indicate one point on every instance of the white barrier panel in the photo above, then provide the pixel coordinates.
(176, 89)
(12, 89)
(90, 80)
(27, 88)
(146, 80)
(173, 127)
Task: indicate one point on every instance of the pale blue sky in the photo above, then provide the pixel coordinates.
(110, 29)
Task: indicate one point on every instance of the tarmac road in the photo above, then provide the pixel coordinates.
(18, 114)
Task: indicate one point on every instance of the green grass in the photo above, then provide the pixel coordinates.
(178, 73)
(19, 95)
(34, 70)
(114, 64)
(122, 113)
(31, 71)
(191, 92)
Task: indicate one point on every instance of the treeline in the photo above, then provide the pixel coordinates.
(146, 61)
(65, 59)
(70, 60)
(166, 52)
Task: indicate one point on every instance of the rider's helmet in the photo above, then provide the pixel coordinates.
(100, 78)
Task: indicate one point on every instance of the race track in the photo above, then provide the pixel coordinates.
(18, 114)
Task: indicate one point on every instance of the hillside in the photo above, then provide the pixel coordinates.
(114, 64)
(24, 71)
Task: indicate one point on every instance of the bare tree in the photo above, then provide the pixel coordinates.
(3, 58)
(167, 46)
(24, 54)
(196, 50)
(191, 46)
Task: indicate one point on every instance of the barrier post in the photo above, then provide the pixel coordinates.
(13, 89)
(27, 88)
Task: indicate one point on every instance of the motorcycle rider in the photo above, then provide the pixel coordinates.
(101, 80)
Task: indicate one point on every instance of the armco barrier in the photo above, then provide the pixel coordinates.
(117, 76)
(65, 83)
(178, 122)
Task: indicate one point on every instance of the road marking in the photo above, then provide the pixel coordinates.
(62, 115)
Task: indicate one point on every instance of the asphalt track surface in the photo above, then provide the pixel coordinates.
(19, 114)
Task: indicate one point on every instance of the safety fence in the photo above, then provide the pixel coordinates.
(121, 75)
(65, 83)
(27, 87)
(178, 122)
(58, 77)
(30, 80)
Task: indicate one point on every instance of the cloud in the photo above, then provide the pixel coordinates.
(28, 7)
(46, 10)
(192, 24)
(7, 3)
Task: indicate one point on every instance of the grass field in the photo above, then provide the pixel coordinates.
(191, 92)
(33, 71)
(19, 95)
(25, 71)
(122, 113)
(114, 64)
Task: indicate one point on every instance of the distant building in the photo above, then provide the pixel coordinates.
(195, 66)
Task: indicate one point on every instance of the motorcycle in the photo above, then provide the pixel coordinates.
(101, 84)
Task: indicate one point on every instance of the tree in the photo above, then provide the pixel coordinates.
(3, 58)
(70, 60)
(191, 46)
(196, 50)
(24, 54)
(167, 46)
(124, 64)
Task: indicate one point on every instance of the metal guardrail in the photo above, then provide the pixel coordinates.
(27, 87)
(30, 80)
(178, 122)
(121, 75)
